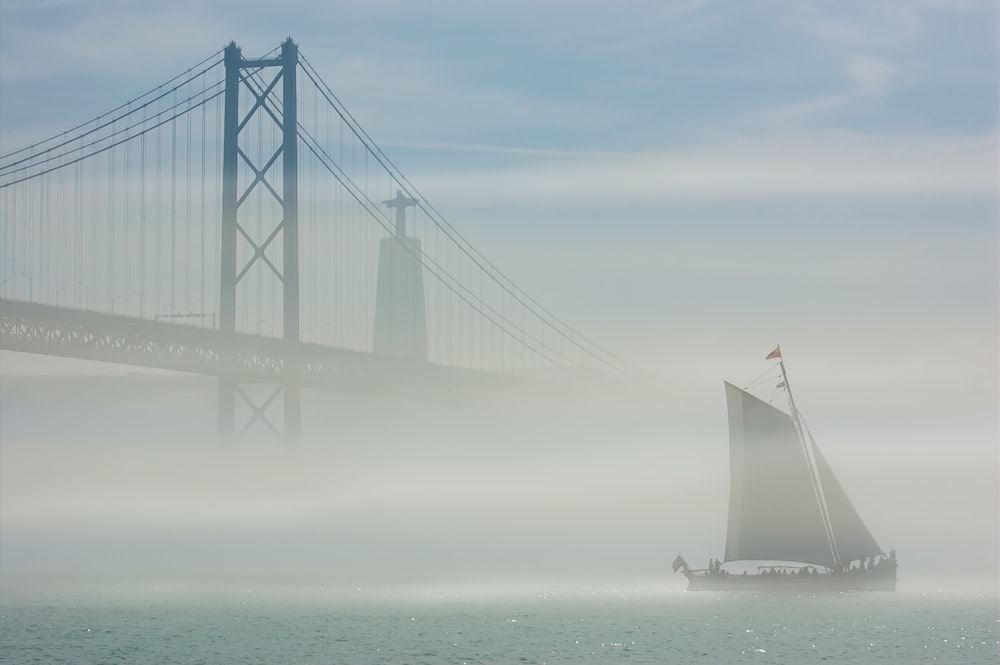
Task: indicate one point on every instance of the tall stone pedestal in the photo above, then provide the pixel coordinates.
(400, 318)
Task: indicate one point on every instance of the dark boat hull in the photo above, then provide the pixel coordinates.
(876, 579)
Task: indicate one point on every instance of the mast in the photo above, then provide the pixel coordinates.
(810, 457)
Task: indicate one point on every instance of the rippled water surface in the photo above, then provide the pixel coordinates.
(45, 621)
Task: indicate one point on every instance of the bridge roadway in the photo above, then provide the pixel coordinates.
(89, 335)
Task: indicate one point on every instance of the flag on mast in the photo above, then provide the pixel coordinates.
(679, 562)
(774, 354)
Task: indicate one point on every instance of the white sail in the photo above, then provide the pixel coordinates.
(774, 511)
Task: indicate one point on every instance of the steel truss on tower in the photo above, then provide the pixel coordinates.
(239, 73)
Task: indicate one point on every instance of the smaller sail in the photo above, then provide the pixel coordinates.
(850, 535)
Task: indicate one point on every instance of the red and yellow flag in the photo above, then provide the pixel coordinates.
(774, 354)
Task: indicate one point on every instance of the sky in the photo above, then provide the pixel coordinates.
(688, 183)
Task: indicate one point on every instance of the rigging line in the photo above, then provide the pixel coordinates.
(760, 378)
(388, 228)
(113, 120)
(107, 147)
(580, 341)
(6, 170)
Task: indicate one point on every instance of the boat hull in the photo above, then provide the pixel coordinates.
(879, 579)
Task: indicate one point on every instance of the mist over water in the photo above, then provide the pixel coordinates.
(376, 488)
(175, 623)
(573, 483)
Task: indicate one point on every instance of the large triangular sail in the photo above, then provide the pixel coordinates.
(774, 511)
(851, 537)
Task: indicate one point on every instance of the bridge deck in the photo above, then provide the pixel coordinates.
(85, 334)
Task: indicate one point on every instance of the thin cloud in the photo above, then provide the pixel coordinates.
(871, 74)
(835, 165)
(807, 110)
(486, 148)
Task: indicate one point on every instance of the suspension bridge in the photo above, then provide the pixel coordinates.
(237, 221)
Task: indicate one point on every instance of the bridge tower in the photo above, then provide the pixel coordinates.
(282, 110)
(400, 316)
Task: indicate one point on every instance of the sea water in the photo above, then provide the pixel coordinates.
(50, 621)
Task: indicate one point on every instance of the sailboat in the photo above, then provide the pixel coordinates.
(790, 521)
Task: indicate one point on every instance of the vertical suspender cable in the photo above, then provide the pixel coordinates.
(173, 213)
(142, 215)
(158, 216)
(187, 210)
(111, 218)
(96, 257)
(203, 195)
(77, 233)
(127, 214)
